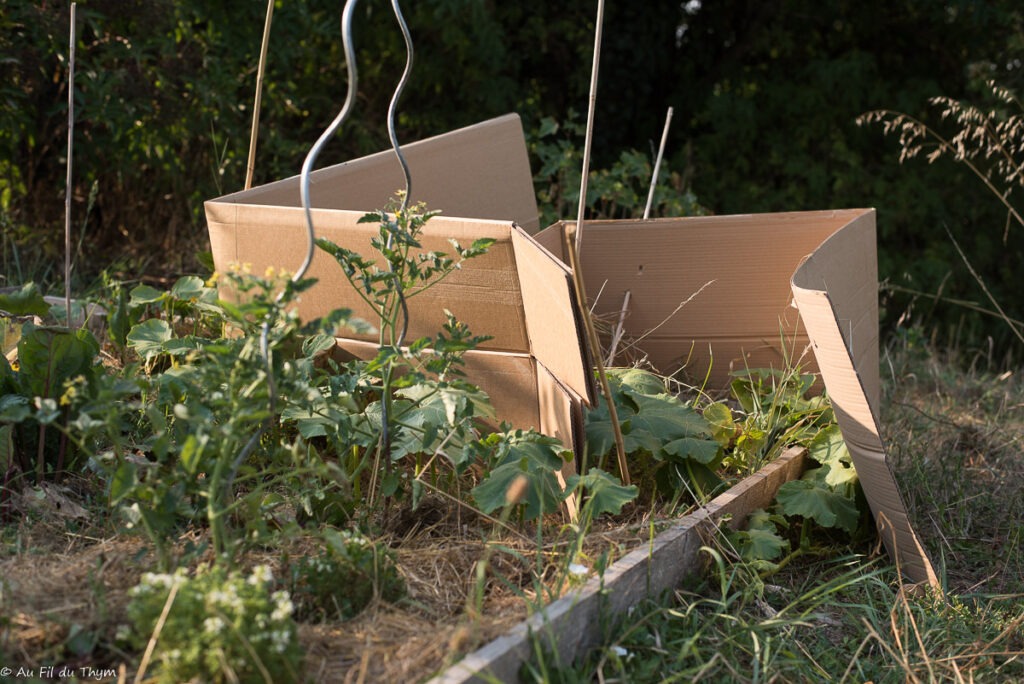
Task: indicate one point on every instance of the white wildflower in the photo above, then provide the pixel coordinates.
(213, 625)
(260, 575)
(280, 639)
(283, 606)
(578, 570)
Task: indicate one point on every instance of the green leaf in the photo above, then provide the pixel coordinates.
(28, 301)
(186, 288)
(700, 450)
(318, 344)
(14, 408)
(543, 493)
(123, 482)
(49, 356)
(144, 294)
(723, 427)
(192, 453)
(148, 337)
(817, 502)
(829, 449)
(604, 492)
(638, 380)
(758, 544)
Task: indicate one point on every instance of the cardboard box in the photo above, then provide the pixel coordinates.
(836, 291)
(760, 291)
(535, 368)
(743, 316)
(731, 274)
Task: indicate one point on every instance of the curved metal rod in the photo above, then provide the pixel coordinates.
(314, 152)
(394, 102)
(392, 108)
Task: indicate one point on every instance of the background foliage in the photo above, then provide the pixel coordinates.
(765, 93)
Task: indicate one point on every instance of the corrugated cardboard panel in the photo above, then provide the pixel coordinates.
(552, 320)
(510, 380)
(481, 171)
(836, 290)
(522, 392)
(484, 294)
(735, 268)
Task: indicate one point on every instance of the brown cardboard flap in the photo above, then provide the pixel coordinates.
(523, 392)
(836, 291)
(734, 270)
(510, 380)
(484, 293)
(481, 171)
(552, 318)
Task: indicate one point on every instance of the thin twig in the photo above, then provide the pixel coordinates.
(617, 333)
(67, 183)
(260, 70)
(151, 646)
(657, 165)
(1009, 321)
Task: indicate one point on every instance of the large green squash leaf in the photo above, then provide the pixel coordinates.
(812, 499)
(49, 356)
(28, 301)
(604, 492)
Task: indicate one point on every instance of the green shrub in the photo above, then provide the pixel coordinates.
(343, 578)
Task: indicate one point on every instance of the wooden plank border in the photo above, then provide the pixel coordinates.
(572, 624)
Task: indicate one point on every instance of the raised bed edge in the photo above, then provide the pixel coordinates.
(573, 623)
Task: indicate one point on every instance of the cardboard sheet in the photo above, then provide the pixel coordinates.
(761, 291)
(837, 294)
(522, 392)
(481, 171)
(734, 270)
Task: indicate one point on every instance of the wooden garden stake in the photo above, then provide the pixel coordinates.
(657, 164)
(254, 132)
(573, 247)
(67, 183)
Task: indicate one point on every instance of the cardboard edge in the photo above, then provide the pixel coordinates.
(574, 622)
(852, 400)
(574, 367)
(507, 126)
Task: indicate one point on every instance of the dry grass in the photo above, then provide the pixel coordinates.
(57, 583)
(956, 440)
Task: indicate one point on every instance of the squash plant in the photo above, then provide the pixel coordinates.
(54, 368)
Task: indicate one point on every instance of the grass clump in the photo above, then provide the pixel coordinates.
(837, 612)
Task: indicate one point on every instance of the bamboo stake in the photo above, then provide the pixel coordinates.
(250, 167)
(67, 182)
(657, 164)
(573, 250)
